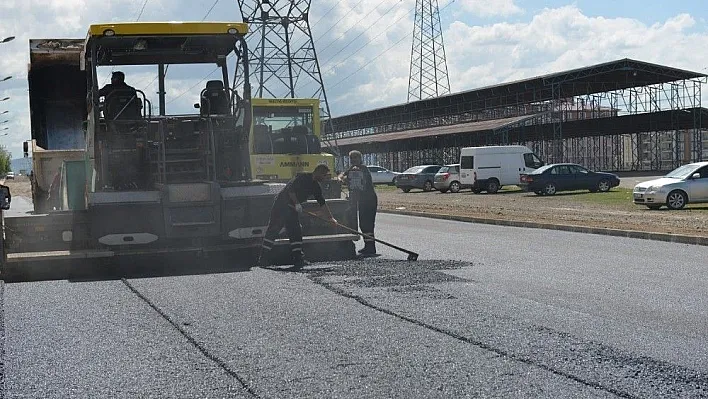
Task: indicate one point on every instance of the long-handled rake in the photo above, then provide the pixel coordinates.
(411, 255)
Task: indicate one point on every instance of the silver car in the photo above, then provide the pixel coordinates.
(381, 175)
(448, 179)
(687, 183)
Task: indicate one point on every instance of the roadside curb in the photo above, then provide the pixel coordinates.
(645, 235)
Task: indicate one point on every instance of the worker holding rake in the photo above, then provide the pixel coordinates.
(286, 211)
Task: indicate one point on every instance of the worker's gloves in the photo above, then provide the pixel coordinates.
(298, 208)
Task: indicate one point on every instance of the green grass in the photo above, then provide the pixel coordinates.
(617, 197)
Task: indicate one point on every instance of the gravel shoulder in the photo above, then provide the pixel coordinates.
(574, 208)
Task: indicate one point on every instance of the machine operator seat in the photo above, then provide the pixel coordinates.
(214, 100)
(262, 139)
(299, 140)
(122, 105)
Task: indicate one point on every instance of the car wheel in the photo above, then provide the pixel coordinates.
(454, 187)
(492, 186)
(406, 189)
(549, 189)
(393, 182)
(676, 199)
(443, 190)
(603, 186)
(428, 186)
(654, 207)
(476, 190)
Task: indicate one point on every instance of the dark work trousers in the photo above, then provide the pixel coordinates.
(283, 215)
(365, 206)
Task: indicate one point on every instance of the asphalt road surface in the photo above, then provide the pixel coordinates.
(487, 311)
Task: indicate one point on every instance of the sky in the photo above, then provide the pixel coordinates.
(364, 45)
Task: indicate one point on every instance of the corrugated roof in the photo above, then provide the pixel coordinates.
(469, 127)
(599, 78)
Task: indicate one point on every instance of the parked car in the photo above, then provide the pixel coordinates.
(10, 176)
(448, 179)
(549, 179)
(380, 175)
(421, 177)
(687, 183)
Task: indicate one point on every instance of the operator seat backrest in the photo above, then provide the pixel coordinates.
(313, 144)
(214, 100)
(122, 104)
(262, 139)
(300, 140)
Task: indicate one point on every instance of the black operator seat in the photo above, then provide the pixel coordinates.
(262, 139)
(123, 104)
(214, 100)
(300, 140)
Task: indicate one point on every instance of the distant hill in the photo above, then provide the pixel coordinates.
(21, 164)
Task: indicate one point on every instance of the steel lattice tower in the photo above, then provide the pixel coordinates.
(283, 61)
(428, 76)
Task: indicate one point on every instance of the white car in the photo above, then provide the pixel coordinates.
(10, 176)
(381, 175)
(687, 183)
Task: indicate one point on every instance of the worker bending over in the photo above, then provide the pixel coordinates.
(286, 213)
(362, 201)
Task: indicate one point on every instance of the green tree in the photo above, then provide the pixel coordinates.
(5, 158)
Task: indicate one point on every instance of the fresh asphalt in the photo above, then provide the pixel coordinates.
(487, 311)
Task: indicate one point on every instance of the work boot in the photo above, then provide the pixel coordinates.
(368, 250)
(263, 261)
(298, 265)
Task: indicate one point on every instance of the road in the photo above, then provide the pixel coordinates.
(487, 311)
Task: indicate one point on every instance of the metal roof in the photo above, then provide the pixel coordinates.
(599, 78)
(469, 127)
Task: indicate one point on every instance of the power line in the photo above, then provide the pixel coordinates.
(331, 68)
(336, 3)
(141, 11)
(338, 21)
(212, 7)
(140, 14)
(331, 27)
(362, 32)
(373, 59)
(168, 67)
(196, 84)
(355, 24)
(381, 53)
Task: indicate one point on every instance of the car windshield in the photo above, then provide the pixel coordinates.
(414, 169)
(542, 169)
(683, 172)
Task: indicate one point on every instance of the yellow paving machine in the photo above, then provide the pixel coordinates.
(116, 174)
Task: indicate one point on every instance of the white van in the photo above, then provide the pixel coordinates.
(492, 167)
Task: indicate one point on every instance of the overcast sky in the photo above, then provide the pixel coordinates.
(487, 42)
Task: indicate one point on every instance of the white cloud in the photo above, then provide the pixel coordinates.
(487, 8)
(565, 38)
(552, 40)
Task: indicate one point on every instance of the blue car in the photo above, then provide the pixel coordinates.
(549, 179)
(422, 177)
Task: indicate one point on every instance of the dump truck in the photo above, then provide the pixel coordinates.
(117, 175)
(285, 140)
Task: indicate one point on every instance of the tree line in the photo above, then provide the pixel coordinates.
(5, 158)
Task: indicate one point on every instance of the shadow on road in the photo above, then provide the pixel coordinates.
(86, 270)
